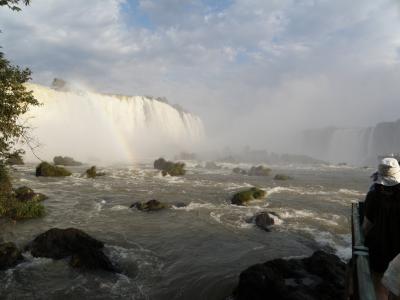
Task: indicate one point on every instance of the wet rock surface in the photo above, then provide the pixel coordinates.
(10, 256)
(85, 251)
(320, 276)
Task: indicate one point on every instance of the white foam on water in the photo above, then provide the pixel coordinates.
(235, 186)
(102, 186)
(118, 207)
(289, 214)
(195, 206)
(351, 192)
(98, 206)
(281, 189)
(216, 216)
(32, 262)
(277, 220)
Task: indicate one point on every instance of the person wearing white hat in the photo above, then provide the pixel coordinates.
(382, 220)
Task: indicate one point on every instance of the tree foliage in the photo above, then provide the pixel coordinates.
(14, 102)
(13, 4)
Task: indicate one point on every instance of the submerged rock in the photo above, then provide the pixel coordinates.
(25, 193)
(10, 256)
(85, 251)
(243, 197)
(180, 204)
(92, 172)
(48, 170)
(259, 171)
(151, 205)
(169, 167)
(320, 276)
(253, 171)
(282, 177)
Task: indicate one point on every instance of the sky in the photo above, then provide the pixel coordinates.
(251, 69)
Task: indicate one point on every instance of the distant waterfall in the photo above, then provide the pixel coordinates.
(91, 126)
(353, 145)
(349, 145)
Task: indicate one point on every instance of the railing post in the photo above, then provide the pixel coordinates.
(363, 286)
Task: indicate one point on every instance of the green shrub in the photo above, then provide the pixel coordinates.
(26, 210)
(48, 170)
(10, 206)
(15, 158)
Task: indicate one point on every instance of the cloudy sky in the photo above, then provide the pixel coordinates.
(245, 66)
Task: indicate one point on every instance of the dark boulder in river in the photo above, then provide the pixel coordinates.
(264, 220)
(85, 251)
(150, 205)
(9, 256)
(92, 172)
(320, 276)
(47, 170)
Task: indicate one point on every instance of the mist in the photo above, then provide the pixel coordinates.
(257, 73)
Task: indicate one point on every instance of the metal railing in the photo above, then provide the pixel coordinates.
(363, 288)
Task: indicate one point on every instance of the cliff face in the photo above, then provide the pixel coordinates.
(358, 146)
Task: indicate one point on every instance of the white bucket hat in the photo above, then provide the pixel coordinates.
(388, 173)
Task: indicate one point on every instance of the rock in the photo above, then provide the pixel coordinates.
(15, 158)
(10, 256)
(25, 193)
(264, 220)
(48, 170)
(243, 197)
(180, 204)
(168, 167)
(320, 276)
(239, 171)
(254, 171)
(92, 172)
(259, 171)
(85, 251)
(282, 177)
(66, 161)
(151, 205)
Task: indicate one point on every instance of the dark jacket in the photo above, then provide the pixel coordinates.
(382, 208)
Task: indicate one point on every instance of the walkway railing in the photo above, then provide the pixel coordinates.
(363, 288)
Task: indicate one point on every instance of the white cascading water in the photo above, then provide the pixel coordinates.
(97, 127)
(349, 145)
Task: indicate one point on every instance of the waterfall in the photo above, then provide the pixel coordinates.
(349, 145)
(97, 127)
(360, 146)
